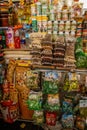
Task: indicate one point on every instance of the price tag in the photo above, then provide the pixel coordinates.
(83, 103)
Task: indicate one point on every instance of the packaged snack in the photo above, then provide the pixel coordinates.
(80, 123)
(9, 111)
(67, 106)
(10, 70)
(51, 118)
(50, 87)
(53, 103)
(38, 117)
(35, 101)
(83, 107)
(33, 80)
(67, 121)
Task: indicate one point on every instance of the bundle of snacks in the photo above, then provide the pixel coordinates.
(25, 113)
(23, 90)
(71, 83)
(69, 54)
(36, 47)
(10, 70)
(51, 82)
(35, 100)
(33, 80)
(81, 58)
(46, 54)
(59, 52)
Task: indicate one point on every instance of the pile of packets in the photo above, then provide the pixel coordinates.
(51, 98)
(53, 50)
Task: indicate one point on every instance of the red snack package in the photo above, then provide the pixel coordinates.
(51, 118)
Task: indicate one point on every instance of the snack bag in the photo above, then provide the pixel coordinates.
(35, 101)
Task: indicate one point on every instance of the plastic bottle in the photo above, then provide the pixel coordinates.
(16, 38)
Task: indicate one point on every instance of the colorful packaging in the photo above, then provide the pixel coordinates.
(51, 118)
(10, 38)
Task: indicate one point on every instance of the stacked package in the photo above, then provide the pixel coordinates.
(59, 52)
(47, 50)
